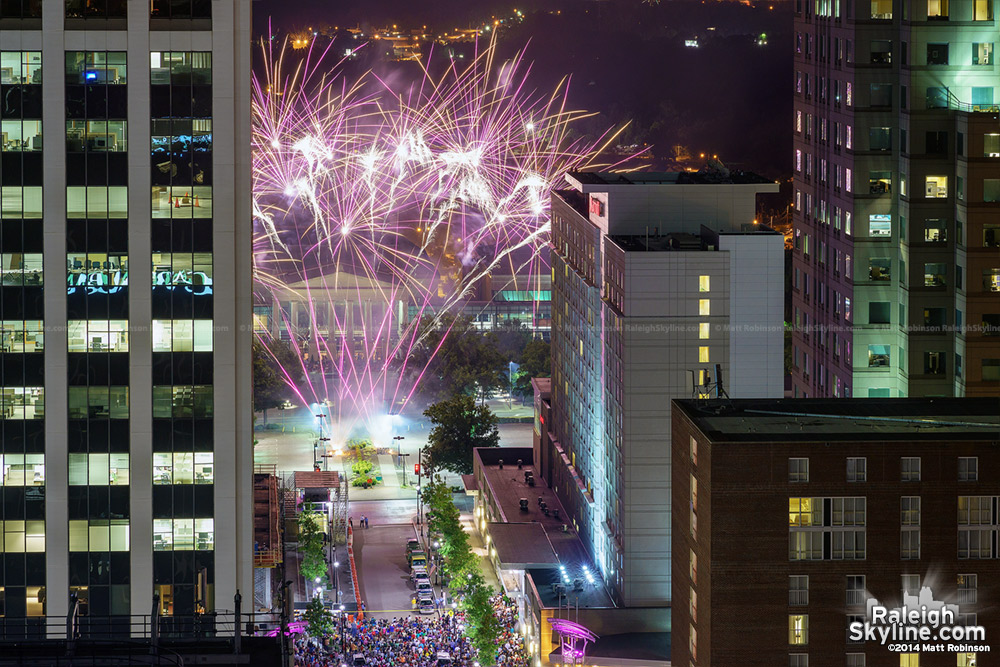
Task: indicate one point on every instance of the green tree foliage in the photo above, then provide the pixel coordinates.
(512, 337)
(461, 566)
(310, 541)
(458, 359)
(459, 426)
(270, 383)
(483, 626)
(536, 362)
(319, 619)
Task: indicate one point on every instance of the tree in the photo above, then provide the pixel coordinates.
(319, 619)
(536, 362)
(310, 541)
(274, 367)
(484, 627)
(460, 426)
(512, 337)
(453, 357)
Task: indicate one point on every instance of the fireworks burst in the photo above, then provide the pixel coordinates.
(376, 210)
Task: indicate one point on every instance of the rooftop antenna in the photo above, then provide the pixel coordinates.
(720, 390)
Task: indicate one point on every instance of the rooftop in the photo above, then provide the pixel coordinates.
(522, 545)
(824, 420)
(507, 487)
(706, 177)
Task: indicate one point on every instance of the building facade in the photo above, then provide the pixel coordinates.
(127, 474)
(896, 281)
(657, 280)
(801, 511)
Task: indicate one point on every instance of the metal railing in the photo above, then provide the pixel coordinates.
(958, 105)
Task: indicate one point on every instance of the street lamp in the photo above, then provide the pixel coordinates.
(336, 576)
(399, 454)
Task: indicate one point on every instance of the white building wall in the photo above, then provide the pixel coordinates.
(756, 315)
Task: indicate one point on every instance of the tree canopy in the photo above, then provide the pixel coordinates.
(459, 426)
(536, 362)
(458, 358)
(270, 384)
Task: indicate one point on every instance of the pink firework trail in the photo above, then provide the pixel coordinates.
(374, 212)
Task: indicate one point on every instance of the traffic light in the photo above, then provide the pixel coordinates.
(416, 469)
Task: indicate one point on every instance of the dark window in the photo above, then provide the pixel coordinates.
(936, 143)
(181, 9)
(96, 9)
(20, 9)
(937, 54)
(878, 312)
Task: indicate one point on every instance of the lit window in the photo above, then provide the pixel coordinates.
(909, 660)
(98, 201)
(798, 629)
(23, 536)
(703, 283)
(23, 469)
(936, 187)
(20, 67)
(99, 535)
(800, 512)
(181, 201)
(97, 335)
(703, 330)
(694, 451)
(20, 202)
(183, 468)
(182, 335)
(704, 306)
(183, 534)
(703, 354)
(98, 470)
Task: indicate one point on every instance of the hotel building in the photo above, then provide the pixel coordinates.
(802, 511)
(126, 422)
(657, 280)
(896, 278)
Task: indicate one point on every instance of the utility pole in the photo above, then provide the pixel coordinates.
(420, 505)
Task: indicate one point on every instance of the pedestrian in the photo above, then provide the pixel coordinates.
(350, 522)
(366, 522)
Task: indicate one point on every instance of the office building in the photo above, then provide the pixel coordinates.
(657, 280)
(800, 512)
(126, 310)
(896, 278)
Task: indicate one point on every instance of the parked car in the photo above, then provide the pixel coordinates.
(425, 605)
(417, 558)
(424, 585)
(419, 574)
(443, 660)
(412, 544)
(359, 659)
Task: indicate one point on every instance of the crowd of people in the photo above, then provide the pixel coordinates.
(413, 641)
(510, 645)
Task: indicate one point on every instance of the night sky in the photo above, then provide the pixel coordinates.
(627, 61)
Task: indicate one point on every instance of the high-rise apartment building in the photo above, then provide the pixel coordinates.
(797, 513)
(896, 278)
(125, 238)
(657, 278)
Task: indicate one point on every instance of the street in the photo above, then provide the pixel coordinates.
(380, 556)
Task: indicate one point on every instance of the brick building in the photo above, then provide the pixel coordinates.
(802, 510)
